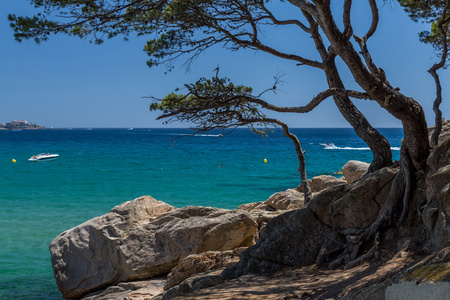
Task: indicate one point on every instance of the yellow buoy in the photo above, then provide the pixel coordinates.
(265, 160)
(13, 160)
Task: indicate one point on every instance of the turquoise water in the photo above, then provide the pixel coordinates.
(100, 168)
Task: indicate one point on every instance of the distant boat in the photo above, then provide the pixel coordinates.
(329, 146)
(43, 156)
(130, 128)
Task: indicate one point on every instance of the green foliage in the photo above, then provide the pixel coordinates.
(429, 11)
(422, 10)
(211, 103)
(173, 27)
(204, 94)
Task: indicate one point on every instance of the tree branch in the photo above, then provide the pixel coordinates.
(433, 71)
(284, 22)
(348, 29)
(305, 5)
(238, 99)
(298, 150)
(363, 43)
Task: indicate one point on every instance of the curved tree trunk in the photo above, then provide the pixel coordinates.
(301, 160)
(401, 107)
(381, 149)
(415, 145)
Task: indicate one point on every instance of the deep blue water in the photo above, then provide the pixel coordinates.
(100, 168)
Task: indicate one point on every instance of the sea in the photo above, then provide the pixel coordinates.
(98, 169)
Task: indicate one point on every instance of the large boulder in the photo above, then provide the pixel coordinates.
(322, 182)
(354, 170)
(287, 200)
(436, 214)
(355, 205)
(142, 239)
(291, 239)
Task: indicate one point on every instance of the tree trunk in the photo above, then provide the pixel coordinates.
(403, 108)
(381, 149)
(301, 161)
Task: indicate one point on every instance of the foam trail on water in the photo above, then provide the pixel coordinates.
(331, 146)
(187, 134)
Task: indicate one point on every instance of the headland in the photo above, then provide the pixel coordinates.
(19, 125)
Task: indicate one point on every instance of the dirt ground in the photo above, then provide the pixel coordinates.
(308, 282)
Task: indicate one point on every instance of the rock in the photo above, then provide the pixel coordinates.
(436, 214)
(322, 182)
(254, 206)
(192, 284)
(291, 239)
(289, 199)
(199, 263)
(263, 216)
(445, 132)
(131, 243)
(136, 290)
(277, 204)
(354, 205)
(354, 170)
(296, 237)
(285, 200)
(87, 258)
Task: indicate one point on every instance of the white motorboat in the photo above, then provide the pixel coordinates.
(43, 156)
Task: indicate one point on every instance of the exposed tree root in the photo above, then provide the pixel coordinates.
(358, 240)
(406, 166)
(373, 252)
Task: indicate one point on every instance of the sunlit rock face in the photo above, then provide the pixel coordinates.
(141, 239)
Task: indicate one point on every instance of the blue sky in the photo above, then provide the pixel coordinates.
(67, 82)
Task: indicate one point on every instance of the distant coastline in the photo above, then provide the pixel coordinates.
(19, 125)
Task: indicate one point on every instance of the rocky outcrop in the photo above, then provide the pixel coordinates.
(142, 239)
(291, 239)
(296, 237)
(290, 199)
(436, 214)
(355, 205)
(293, 198)
(199, 263)
(354, 170)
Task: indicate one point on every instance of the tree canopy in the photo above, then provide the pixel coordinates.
(430, 12)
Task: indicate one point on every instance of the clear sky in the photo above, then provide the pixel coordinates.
(67, 82)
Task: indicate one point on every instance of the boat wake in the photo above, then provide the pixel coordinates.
(331, 146)
(187, 134)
